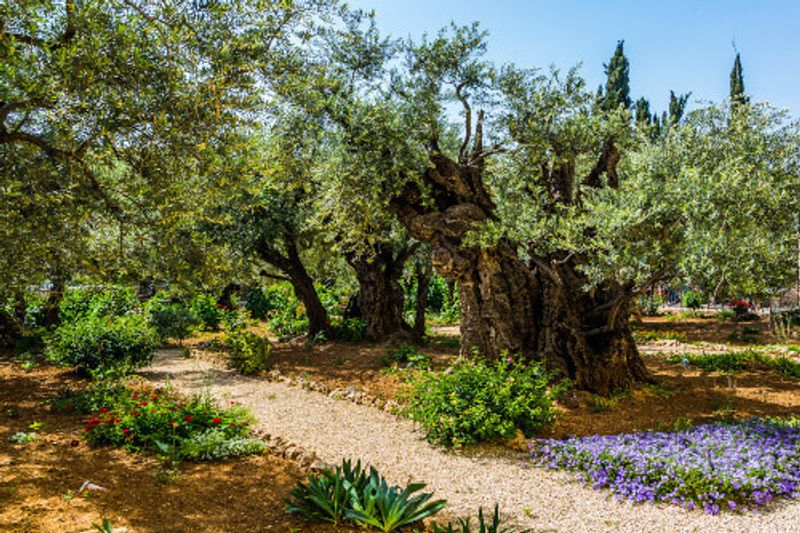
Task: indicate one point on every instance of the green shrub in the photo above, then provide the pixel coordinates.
(204, 307)
(98, 341)
(406, 356)
(159, 422)
(692, 299)
(350, 493)
(651, 303)
(79, 303)
(100, 393)
(349, 329)
(726, 314)
(257, 303)
(478, 401)
(171, 320)
(249, 353)
(287, 315)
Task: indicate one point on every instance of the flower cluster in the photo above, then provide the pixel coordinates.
(739, 305)
(146, 421)
(737, 466)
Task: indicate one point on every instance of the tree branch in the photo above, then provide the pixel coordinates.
(462, 153)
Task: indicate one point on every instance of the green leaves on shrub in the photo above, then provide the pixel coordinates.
(349, 329)
(388, 508)
(477, 401)
(204, 307)
(350, 493)
(171, 320)
(215, 444)
(406, 356)
(257, 303)
(249, 353)
(484, 525)
(99, 341)
(78, 303)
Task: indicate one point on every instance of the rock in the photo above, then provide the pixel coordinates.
(519, 442)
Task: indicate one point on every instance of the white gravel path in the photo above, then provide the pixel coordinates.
(531, 497)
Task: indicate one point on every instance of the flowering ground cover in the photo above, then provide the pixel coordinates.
(738, 466)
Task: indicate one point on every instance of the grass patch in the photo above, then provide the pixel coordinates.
(733, 362)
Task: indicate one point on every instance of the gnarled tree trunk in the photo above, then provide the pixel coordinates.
(380, 294)
(303, 284)
(538, 310)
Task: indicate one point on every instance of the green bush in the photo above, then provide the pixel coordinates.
(79, 303)
(249, 353)
(287, 315)
(349, 329)
(651, 303)
(484, 525)
(692, 299)
(350, 493)
(406, 356)
(204, 307)
(100, 341)
(257, 303)
(181, 429)
(171, 320)
(479, 401)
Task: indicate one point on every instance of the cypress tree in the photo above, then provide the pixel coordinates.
(642, 113)
(677, 106)
(617, 91)
(737, 95)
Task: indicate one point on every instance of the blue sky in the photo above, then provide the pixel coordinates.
(681, 45)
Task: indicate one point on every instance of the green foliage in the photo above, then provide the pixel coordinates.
(22, 438)
(204, 307)
(406, 356)
(257, 303)
(194, 429)
(326, 497)
(617, 89)
(99, 341)
(79, 303)
(692, 299)
(100, 393)
(733, 362)
(651, 303)
(477, 401)
(389, 508)
(484, 525)
(737, 94)
(249, 352)
(104, 527)
(170, 319)
(349, 492)
(349, 329)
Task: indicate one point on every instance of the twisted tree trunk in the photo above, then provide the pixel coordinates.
(380, 294)
(538, 310)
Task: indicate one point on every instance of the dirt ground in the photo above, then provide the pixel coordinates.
(39, 481)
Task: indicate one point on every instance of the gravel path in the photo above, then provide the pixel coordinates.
(534, 498)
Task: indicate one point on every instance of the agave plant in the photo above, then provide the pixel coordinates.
(326, 497)
(388, 508)
(464, 526)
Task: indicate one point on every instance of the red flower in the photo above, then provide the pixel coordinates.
(172, 424)
(104, 409)
(74, 443)
(187, 418)
(154, 397)
(135, 413)
(94, 420)
(217, 420)
(233, 307)
(135, 395)
(117, 420)
(142, 403)
(126, 430)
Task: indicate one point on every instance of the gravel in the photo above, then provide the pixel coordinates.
(528, 496)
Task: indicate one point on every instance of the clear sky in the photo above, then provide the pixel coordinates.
(681, 45)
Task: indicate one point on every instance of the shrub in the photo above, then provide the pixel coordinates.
(651, 303)
(350, 493)
(349, 329)
(716, 466)
(478, 401)
(733, 362)
(249, 353)
(171, 320)
(692, 299)
(160, 422)
(257, 303)
(204, 307)
(97, 341)
(407, 356)
(79, 303)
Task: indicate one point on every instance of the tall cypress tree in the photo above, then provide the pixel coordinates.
(737, 95)
(677, 106)
(642, 113)
(617, 91)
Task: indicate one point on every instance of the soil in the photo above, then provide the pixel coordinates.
(39, 481)
(707, 328)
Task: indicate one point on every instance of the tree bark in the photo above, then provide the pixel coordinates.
(538, 310)
(380, 294)
(423, 275)
(302, 283)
